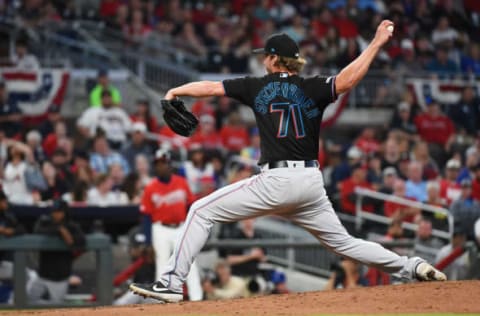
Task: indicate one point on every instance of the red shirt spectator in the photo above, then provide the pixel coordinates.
(206, 135)
(50, 143)
(167, 135)
(398, 210)
(346, 27)
(433, 126)
(450, 190)
(367, 142)
(347, 190)
(234, 134)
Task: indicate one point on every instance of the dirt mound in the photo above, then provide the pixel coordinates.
(453, 297)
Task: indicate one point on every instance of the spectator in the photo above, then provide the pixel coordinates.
(138, 145)
(443, 33)
(34, 141)
(79, 194)
(10, 114)
(252, 151)
(103, 84)
(389, 176)
(14, 176)
(472, 158)
(441, 64)
(224, 285)
(103, 195)
(391, 154)
(206, 135)
(56, 186)
(52, 140)
(415, 186)
(133, 187)
(367, 142)
(358, 179)
(142, 169)
(281, 11)
(465, 113)
(112, 120)
(459, 269)
(116, 173)
(426, 246)
(144, 115)
(345, 275)
(22, 60)
(465, 210)
(421, 154)
(470, 63)
(399, 210)
(61, 163)
(450, 190)
(234, 134)
(243, 262)
(433, 126)
(403, 120)
(344, 169)
(53, 116)
(395, 232)
(199, 172)
(102, 157)
(164, 204)
(55, 267)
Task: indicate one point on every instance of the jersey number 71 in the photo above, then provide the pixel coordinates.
(286, 111)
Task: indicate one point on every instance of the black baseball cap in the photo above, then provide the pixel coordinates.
(281, 45)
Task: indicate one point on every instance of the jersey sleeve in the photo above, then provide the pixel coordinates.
(321, 89)
(241, 89)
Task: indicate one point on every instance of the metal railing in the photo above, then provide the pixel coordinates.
(362, 215)
(21, 245)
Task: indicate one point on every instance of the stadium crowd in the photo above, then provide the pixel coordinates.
(109, 156)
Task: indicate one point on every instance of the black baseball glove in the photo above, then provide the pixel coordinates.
(178, 118)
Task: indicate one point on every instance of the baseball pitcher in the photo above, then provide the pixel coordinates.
(288, 109)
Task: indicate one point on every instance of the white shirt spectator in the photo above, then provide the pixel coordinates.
(27, 62)
(440, 36)
(114, 121)
(14, 184)
(95, 197)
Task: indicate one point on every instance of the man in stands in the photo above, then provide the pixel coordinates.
(103, 84)
(434, 127)
(358, 179)
(103, 157)
(111, 119)
(138, 145)
(449, 188)
(415, 186)
(465, 210)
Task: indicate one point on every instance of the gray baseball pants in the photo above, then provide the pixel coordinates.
(295, 193)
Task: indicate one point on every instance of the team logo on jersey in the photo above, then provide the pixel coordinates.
(177, 196)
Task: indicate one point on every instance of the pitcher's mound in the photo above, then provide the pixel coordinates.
(431, 297)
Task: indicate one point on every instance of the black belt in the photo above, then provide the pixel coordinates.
(171, 225)
(293, 164)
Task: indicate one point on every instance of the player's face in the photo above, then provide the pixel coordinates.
(269, 62)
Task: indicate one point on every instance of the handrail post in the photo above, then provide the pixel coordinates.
(20, 278)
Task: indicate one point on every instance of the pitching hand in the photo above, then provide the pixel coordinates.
(383, 34)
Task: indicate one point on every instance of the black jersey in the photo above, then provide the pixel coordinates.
(288, 110)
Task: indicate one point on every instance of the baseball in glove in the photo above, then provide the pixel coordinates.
(178, 118)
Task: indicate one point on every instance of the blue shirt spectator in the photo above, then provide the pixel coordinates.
(415, 186)
(103, 157)
(441, 64)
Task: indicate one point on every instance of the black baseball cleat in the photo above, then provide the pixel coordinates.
(157, 291)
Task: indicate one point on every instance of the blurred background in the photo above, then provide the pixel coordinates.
(80, 122)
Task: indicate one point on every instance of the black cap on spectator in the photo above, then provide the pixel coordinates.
(281, 45)
(3, 196)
